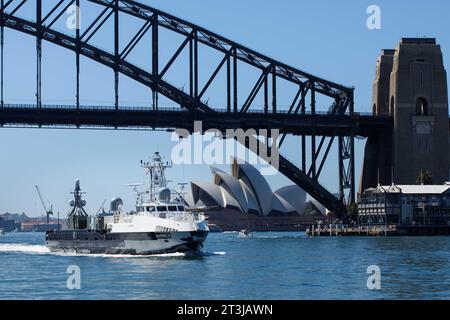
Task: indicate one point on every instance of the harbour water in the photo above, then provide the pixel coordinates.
(267, 266)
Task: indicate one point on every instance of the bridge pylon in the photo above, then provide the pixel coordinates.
(411, 87)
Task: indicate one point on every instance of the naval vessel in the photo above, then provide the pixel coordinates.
(161, 223)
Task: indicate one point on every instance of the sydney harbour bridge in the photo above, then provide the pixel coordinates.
(319, 130)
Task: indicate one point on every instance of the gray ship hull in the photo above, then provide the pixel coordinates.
(99, 242)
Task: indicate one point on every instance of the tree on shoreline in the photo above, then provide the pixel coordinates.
(425, 178)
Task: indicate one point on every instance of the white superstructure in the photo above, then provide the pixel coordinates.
(158, 209)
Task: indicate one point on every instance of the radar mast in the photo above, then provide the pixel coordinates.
(78, 216)
(156, 170)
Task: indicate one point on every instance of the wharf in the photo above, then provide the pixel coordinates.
(376, 231)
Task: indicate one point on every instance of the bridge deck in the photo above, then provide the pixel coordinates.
(322, 124)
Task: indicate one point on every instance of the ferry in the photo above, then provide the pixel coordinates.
(161, 223)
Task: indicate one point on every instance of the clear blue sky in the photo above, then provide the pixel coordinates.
(326, 38)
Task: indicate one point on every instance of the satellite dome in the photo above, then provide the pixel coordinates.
(164, 194)
(115, 204)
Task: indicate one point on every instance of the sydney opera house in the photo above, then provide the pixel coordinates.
(245, 200)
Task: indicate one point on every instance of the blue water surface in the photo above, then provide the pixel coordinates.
(268, 266)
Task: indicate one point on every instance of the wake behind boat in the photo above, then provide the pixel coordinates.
(161, 223)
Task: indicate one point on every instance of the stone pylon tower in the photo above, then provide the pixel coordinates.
(410, 86)
(419, 104)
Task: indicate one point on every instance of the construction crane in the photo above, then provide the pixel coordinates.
(48, 212)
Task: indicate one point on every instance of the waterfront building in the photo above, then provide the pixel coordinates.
(38, 226)
(413, 205)
(7, 223)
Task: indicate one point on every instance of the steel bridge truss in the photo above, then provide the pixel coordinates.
(272, 73)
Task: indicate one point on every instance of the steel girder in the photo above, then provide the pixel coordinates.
(271, 70)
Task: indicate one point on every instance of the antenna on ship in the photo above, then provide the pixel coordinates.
(137, 192)
(182, 193)
(182, 186)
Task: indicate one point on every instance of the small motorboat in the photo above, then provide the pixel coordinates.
(2, 232)
(245, 234)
